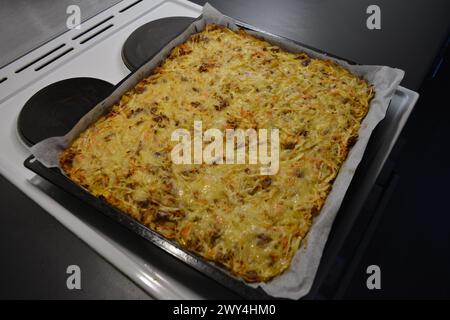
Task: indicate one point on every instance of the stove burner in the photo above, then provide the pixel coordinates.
(149, 38)
(55, 109)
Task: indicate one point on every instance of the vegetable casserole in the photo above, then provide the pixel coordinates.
(250, 224)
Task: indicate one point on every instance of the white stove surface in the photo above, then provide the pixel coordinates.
(99, 57)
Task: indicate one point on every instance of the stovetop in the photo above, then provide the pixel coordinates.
(95, 51)
(56, 108)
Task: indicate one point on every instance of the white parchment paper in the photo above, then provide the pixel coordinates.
(297, 280)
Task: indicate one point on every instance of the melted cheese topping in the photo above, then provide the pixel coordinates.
(248, 223)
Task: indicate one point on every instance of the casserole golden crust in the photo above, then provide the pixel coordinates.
(230, 214)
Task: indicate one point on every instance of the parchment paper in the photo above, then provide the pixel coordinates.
(297, 280)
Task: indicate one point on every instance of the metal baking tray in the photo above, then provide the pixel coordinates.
(384, 136)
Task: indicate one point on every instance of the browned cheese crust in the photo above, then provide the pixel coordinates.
(250, 224)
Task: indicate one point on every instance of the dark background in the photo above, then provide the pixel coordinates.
(411, 241)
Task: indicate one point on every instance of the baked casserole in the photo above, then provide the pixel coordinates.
(250, 224)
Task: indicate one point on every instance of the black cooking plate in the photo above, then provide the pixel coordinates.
(150, 38)
(54, 176)
(55, 109)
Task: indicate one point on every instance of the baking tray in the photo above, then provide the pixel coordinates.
(205, 267)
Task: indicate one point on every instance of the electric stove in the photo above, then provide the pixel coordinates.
(45, 92)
